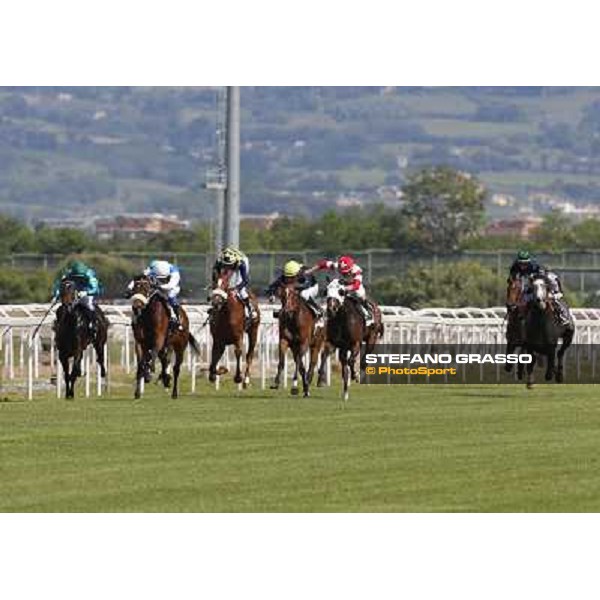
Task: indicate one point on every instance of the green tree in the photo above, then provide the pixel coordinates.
(451, 284)
(444, 207)
(555, 233)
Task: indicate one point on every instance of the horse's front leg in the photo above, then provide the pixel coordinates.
(216, 354)
(303, 373)
(252, 339)
(510, 348)
(354, 354)
(64, 363)
(164, 368)
(237, 349)
(283, 348)
(140, 371)
(345, 373)
(322, 379)
(530, 367)
(550, 363)
(314, 347)
(176, 371)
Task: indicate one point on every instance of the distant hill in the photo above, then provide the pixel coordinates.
(82, 151)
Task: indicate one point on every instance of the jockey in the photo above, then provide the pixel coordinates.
(306, 284)
(526, 266)
(559, 303)
(88, 288)
(234, 260)
(523, 266)
(351, 277)
(167, 278)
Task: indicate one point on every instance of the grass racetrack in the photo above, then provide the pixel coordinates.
(390, 448)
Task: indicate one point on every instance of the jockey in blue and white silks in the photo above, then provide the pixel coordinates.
(167, 279)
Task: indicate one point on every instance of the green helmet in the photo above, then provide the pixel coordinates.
(523, 256)
(78, 267)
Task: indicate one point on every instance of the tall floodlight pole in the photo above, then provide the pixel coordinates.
(231, 233)
(216, 179)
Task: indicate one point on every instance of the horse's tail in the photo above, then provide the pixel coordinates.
(193, 342)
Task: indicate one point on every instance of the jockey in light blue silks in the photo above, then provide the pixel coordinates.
(88, 288)
(167, 279)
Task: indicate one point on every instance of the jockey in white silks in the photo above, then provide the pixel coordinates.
(167, 278)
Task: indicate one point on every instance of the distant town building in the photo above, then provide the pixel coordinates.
(135, 225)
(263, 222)
(520, 227)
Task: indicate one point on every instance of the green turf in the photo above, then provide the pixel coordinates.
(417, 448)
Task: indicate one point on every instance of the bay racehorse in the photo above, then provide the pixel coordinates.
(298, 332)
(155, 337)
(72, 335)
(516, 307)
(228, 326)
(346, 331)
(542, 333)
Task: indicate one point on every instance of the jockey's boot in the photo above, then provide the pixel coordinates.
(317, 312)
(92, 323)
(174, 320)
(367, 312)
(562, 312)
(249, 312)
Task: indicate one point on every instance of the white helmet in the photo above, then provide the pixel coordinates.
(160, 268)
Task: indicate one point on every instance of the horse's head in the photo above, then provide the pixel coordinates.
(539, 292)
(67, 293)
(220, 293)
(335, 296)
(289, 297)
(514, 293)
(143, 286)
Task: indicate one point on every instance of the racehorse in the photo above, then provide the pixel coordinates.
(542, 333)
(516, 306)
(346, 331)
(297, 332)
(155, 338)
(227, 326)
(72, 335)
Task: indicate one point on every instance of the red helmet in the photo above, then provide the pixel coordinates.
(345, 264)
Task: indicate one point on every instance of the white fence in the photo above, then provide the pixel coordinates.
(29, 363)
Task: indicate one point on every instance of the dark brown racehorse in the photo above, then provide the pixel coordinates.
(227, 326)
(73, 335)
(297, 332)
(346, 331)
(516, 306)
(154, 338)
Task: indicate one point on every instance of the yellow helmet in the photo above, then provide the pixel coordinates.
(291, 268)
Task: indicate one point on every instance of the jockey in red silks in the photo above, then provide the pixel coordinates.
(351, 276)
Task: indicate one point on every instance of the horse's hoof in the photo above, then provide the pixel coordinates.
(549, 376)
(174, 395)
(137, 395)
(212, 377)
(294, 391)
(237, 380)
(306, 394)
(103, 373)
(559, 377)
(274, 386)
(321, 383)
(530, 385)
